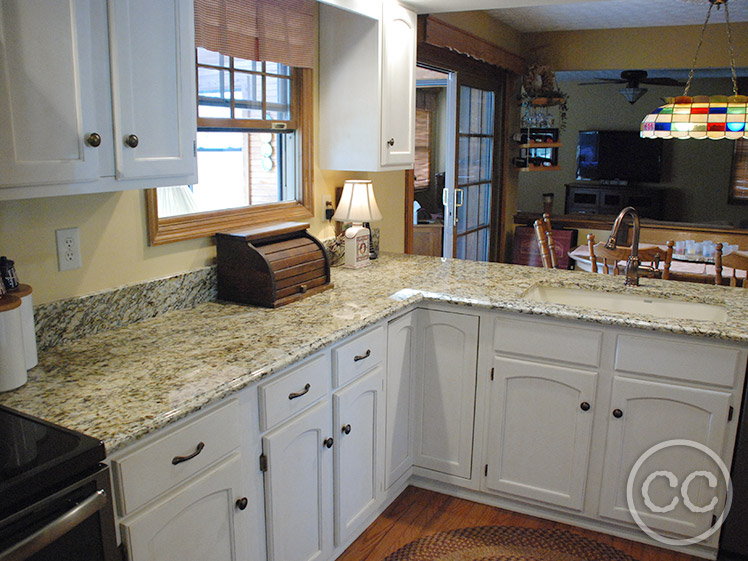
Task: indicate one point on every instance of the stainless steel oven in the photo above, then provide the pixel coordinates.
(55, 494)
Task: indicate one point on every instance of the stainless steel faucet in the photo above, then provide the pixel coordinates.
(633, 263)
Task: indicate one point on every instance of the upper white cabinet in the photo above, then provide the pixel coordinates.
(367, 89)
(47, 110)
(95, 96)
(153, 92)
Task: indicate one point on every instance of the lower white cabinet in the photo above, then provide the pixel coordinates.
(644, 413)
(539, 431)
(196, 523)
(446, 351)
(359, 460)
(298, 487)
(399, 396)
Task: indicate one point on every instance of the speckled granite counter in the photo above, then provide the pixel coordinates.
(122, 384)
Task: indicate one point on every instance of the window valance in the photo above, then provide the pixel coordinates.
(264, 30)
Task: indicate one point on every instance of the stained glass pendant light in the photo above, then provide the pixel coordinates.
(715, 117)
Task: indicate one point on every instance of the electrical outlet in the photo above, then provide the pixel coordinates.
(329, 209)
(68, 249)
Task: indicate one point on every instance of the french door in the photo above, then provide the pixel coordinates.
(476, 179)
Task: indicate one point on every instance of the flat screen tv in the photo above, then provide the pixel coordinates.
(618, 156)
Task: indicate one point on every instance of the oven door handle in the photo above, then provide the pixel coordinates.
(55, 529)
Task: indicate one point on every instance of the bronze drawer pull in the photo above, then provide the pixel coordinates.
(367, 354)
(294, 395)
(179, 459)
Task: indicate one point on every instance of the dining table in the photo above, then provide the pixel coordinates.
(693, 268)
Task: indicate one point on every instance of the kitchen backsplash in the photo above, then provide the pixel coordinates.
(73, 318)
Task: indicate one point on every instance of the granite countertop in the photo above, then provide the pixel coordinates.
(120, 385)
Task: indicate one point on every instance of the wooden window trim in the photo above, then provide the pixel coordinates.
(191, 226)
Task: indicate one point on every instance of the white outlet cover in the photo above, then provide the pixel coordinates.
(68, 249)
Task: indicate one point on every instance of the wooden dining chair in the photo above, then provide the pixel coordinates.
(547, 246)
(653, 255)
(735, 260)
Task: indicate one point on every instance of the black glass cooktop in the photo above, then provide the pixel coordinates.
(37, 457)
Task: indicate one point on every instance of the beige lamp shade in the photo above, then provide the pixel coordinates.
(357, 204)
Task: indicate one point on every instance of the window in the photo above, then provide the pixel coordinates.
(254, 147)
(739, 180)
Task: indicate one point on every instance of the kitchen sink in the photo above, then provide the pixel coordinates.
(626, 303)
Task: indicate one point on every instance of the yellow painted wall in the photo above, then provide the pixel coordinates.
(656, 47)
(485, 27)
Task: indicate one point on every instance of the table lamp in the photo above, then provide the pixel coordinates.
(357, 205)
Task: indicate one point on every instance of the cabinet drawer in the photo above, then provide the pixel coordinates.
(149, 471)
(707, 364)
(289, 394)
(357, 356)
(545, 340)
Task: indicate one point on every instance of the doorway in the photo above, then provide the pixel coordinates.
(453, 192)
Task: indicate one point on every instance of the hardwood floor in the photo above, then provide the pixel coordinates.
(418, 512)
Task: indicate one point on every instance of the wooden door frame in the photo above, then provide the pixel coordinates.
(481, 72)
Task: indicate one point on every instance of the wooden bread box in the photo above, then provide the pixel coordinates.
(272, 265)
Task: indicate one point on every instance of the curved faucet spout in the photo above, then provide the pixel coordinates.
(632, 265)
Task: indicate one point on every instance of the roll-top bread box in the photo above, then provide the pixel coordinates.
(271, 265)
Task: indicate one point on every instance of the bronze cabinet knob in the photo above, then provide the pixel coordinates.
(132, 141)
(94, 140)
(242, 503)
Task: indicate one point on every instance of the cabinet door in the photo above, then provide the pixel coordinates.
(298, 487)
(539, 432)
(652, 413)
(46, 96)
(358, 415)
(152, 52)
(198, 523)
(398, 85)
(399, 394)
(447, 348)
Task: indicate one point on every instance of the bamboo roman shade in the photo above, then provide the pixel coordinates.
(739, 183)
(264, 30)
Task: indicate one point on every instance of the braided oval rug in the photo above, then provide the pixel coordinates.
(507, 543)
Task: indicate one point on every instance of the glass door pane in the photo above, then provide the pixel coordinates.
(475, 173)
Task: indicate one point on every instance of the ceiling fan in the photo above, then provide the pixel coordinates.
(632, 79)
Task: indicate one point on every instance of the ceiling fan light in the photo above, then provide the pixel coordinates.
(632, 94)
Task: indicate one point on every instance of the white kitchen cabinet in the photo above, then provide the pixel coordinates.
(367, 89)
(643, 413)
(358, 418)
(539, 431)
(84, 82)
(446, 351)
(153, 87)
(298, 487)
(399, 395)
(197, 523)
(47, 108)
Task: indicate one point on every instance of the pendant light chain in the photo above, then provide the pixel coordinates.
(732, 53)
(698, 48)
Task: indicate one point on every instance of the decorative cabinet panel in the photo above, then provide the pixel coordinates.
(196, 523)
(539, 431)
(401, 334)
(358, 418)
(298, 487)
(47, 108)
(367, 89)
(642, 414)
(446, 351)
(103, 99)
